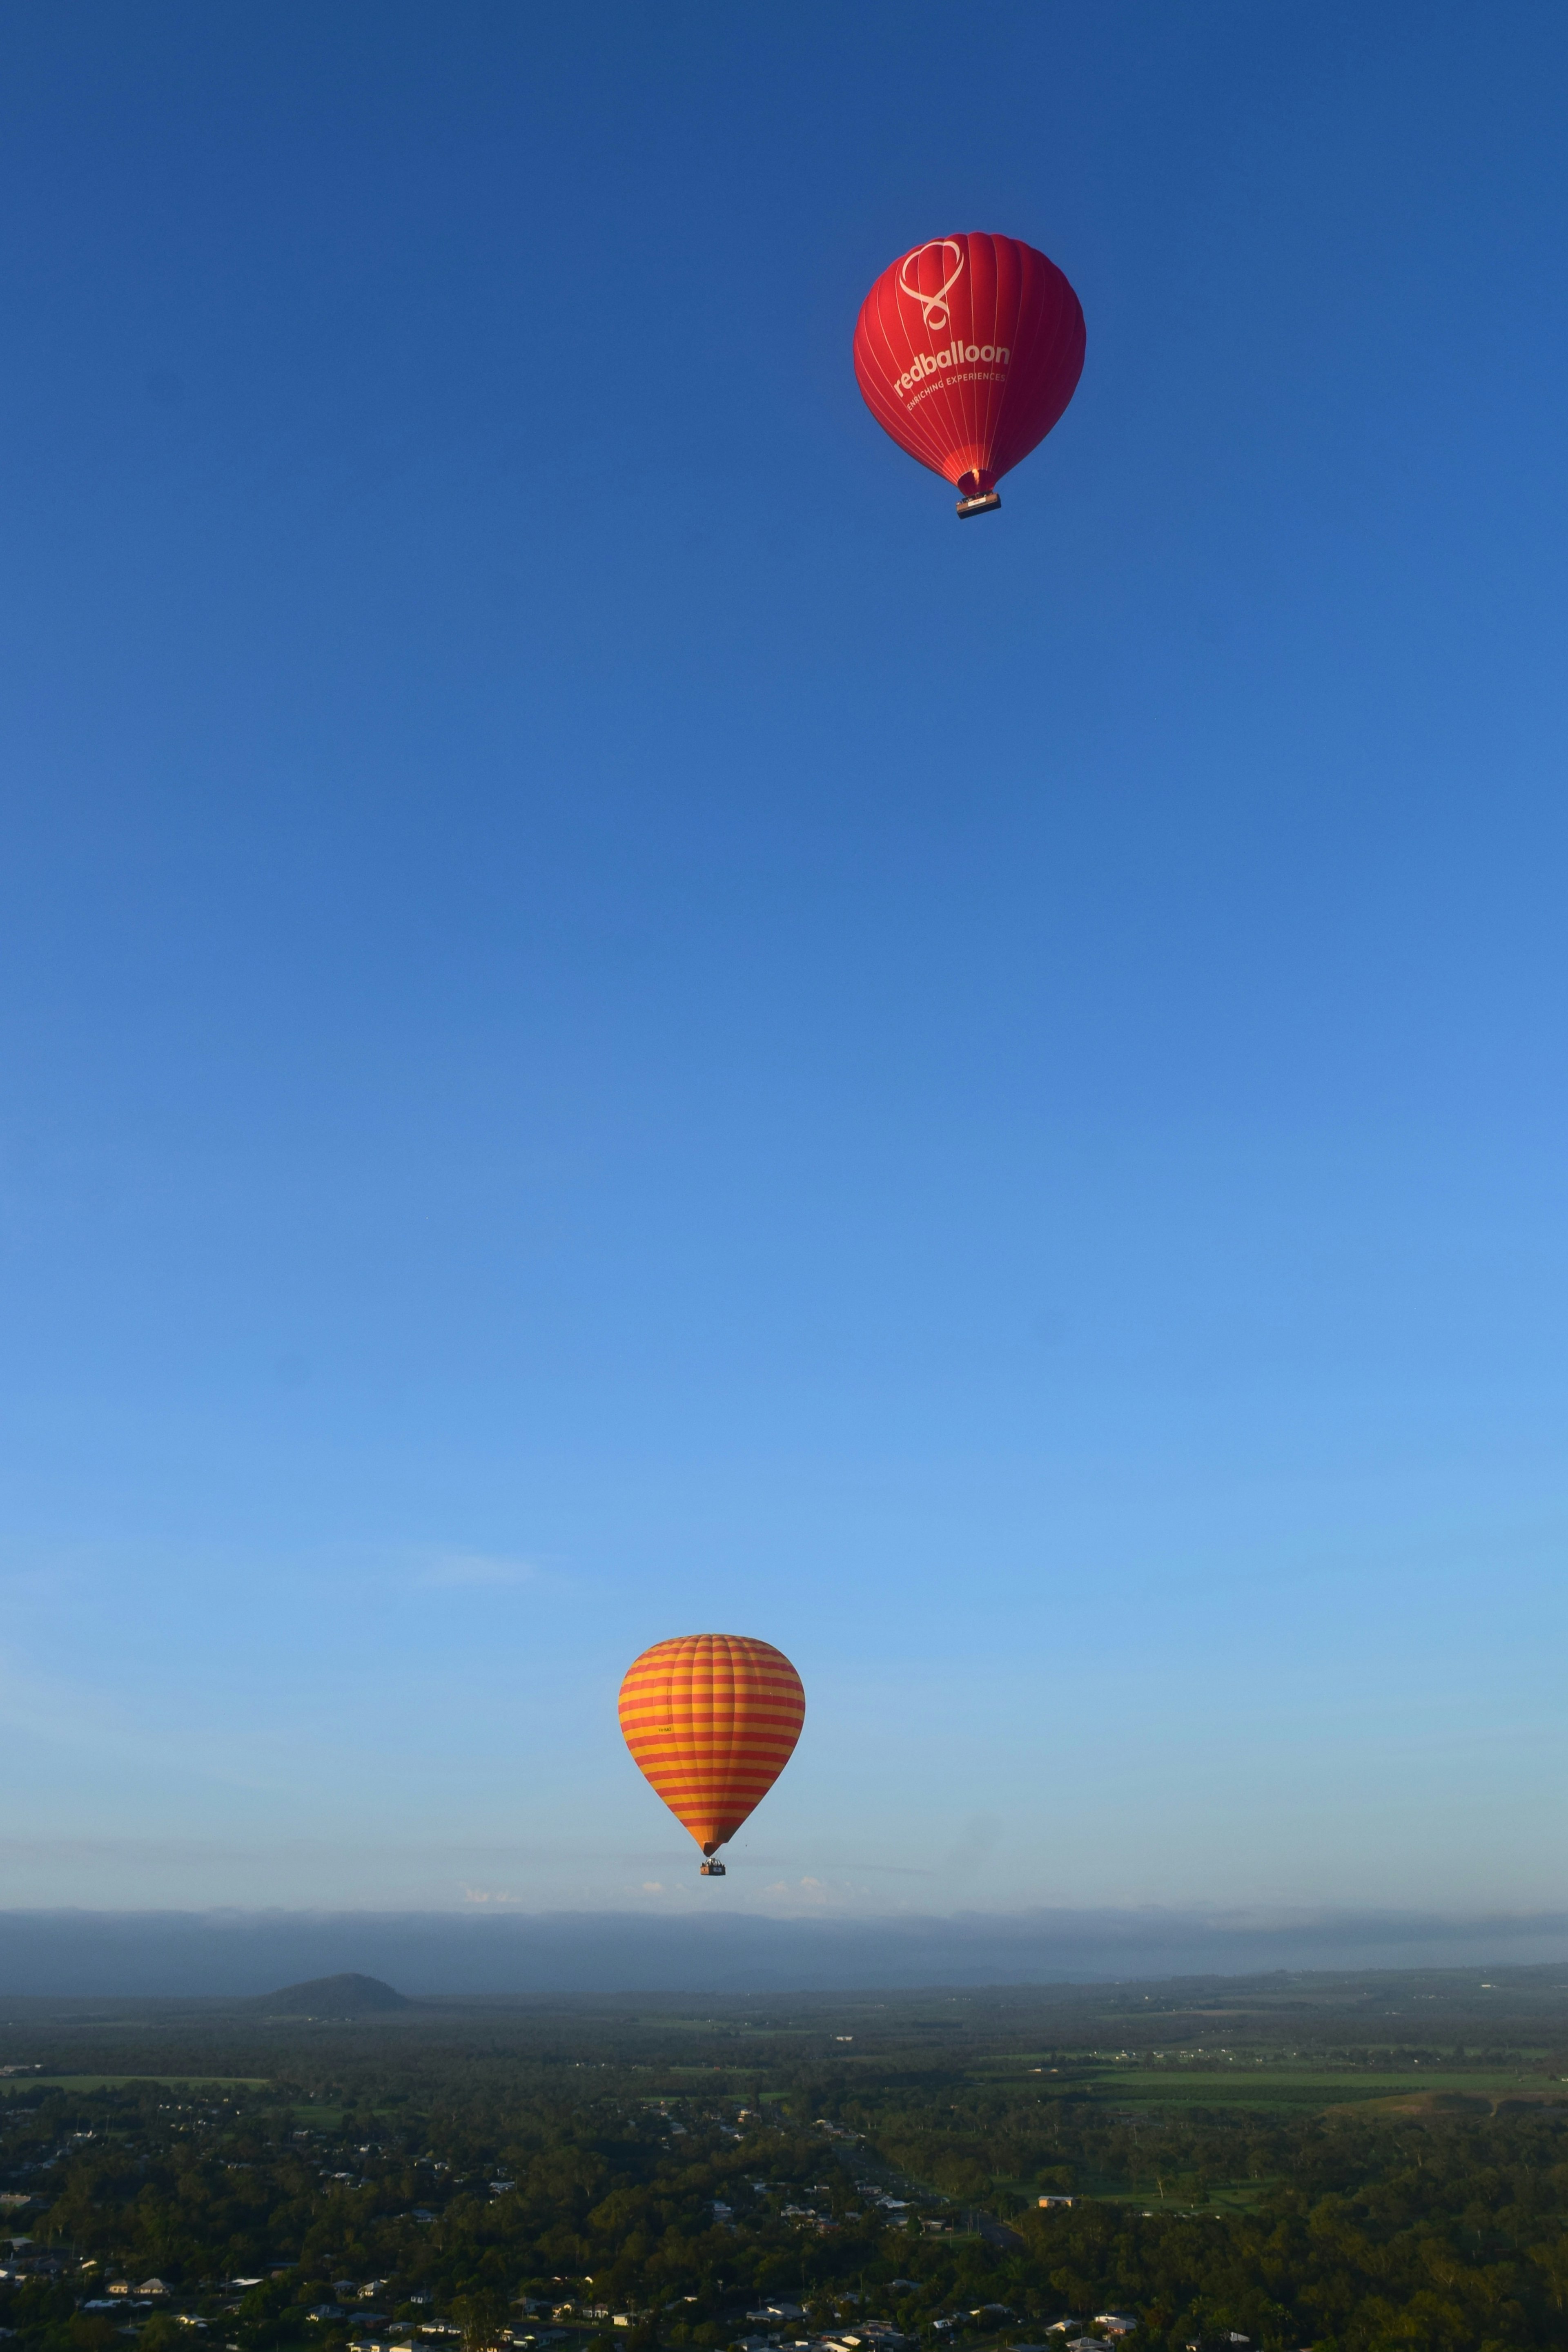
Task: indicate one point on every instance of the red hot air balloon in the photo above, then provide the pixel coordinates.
(968, 349)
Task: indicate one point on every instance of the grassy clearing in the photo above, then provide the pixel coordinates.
(1226, 2197)
(1265, 2086)
(10, 2088)
(1513, 2100)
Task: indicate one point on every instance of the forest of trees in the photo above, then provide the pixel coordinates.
(475, 2193)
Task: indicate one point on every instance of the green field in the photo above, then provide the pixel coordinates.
(10, 2088)
(1144, 2197)
(1291, 2087)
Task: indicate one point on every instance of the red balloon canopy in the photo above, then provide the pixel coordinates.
(968, 349)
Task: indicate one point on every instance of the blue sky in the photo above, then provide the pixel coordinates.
(611, 1025)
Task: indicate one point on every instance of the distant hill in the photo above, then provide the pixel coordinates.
(344, 1996)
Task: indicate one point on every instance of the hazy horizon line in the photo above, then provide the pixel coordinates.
(70, 1951)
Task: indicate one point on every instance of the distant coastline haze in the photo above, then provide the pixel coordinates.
(248, 1956)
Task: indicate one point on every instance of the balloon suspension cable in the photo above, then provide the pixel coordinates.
(985, 502)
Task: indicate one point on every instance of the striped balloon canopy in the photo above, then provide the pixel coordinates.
(712, 1720)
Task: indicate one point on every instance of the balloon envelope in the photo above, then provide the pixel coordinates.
(712, 1720)
(966, 350)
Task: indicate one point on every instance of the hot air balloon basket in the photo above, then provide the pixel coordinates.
(986, 504)
(712, 1870)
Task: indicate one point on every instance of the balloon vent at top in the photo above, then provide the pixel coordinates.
(967, 351)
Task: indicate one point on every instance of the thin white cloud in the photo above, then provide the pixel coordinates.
(450, 1570)
(806, 1894)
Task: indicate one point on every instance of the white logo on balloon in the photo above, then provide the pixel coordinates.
(934, 306)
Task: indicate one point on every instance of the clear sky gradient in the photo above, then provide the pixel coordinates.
(611, 1026)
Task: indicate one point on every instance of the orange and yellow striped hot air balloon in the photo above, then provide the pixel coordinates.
(712, 1720)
